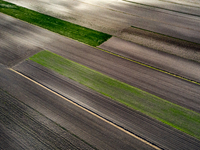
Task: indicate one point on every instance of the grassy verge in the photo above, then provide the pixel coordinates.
(82, 34)
(176, 116)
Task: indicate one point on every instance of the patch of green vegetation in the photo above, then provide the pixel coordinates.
(82, 34)
(174, 115)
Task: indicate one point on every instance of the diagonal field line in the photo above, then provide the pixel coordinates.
(181, 12)
(145, 18)
(148, 66)
(89, 111)
(123, 57)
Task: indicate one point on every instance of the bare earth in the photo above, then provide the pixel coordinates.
(116, 16)
(32, 117)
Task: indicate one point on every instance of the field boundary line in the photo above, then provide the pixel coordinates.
(89, 111)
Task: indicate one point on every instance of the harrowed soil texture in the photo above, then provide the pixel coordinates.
(171, 114)
(22, 127)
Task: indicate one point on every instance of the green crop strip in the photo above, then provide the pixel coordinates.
(174, 115)
(76, 32)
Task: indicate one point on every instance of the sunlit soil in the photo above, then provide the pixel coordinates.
(101, 16)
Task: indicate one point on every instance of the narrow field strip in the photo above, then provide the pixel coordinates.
(161, 8)
(171, 38)
(76, 32)
(89, 111)
(171, 114)
(79, 33)
(151, 67)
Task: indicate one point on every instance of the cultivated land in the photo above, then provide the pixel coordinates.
(171, 114)
(21, 129)
(66, 115)
(68, 29)
(166, 112)
(115, 17)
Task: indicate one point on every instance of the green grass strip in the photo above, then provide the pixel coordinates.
(82, 34)
(174, 115)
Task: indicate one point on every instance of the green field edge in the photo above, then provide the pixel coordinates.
(73, 31)
(87, 39)
(164, 111)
